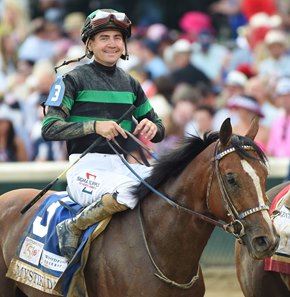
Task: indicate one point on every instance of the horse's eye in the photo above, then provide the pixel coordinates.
(231, 178)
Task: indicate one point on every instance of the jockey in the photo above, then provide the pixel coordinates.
(85, 105)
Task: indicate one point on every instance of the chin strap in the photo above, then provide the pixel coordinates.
(126, 55)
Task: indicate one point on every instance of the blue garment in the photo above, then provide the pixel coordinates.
(35, 49)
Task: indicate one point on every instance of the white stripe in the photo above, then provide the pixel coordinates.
(256, 181)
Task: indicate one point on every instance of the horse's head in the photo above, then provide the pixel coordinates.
(238, 177)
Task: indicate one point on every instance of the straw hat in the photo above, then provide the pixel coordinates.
(275, 36)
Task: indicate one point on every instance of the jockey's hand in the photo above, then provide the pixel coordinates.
(146, 128)
(109, 129)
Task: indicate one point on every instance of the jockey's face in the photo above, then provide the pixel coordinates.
(107, 47)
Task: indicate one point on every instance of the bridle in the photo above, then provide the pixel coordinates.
(235, 227)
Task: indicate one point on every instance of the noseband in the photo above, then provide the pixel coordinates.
(235, 227)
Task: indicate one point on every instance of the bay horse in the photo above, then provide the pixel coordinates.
(254, 280)
(155, 249)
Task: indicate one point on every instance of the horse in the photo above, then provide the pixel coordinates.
(154, 250)
(254, 280)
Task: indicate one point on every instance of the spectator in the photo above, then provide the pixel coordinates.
(284, 12)
(183, 71)
(41, 80)
(230, 12)
(8, 52)
(208, 95)
(278, 62)
(247, 108)
(37, 45)
(12, 148)
(257, 87)
(143, 77)
(15, 17)
(161, 101)
(8, 57)
(150, 59)
(45, 150)
(185, 99)
(251, 7)
(250, 48)
(202, 121)
(279, 139)
(234, 85)
(210, 57)
(193, 22)
(72, 26)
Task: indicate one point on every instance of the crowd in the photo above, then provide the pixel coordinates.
(229, 59)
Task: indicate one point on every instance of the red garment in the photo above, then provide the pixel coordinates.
(278, 262)
(251, 7)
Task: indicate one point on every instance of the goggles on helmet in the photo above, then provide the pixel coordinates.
(102, 18)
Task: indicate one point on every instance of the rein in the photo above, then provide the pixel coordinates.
(235, 227)
(162, 196)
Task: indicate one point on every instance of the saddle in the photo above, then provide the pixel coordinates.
(287, 201)
(38, 256)
(280, 211)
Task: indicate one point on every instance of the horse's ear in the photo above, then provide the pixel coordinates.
(254, 127)
(226, 132)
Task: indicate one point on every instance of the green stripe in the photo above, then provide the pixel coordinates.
(106, 97)
(67, 102)
(142, 109)
(126, 124)
(48, 120)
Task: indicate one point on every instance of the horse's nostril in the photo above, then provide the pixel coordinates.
(261, 243)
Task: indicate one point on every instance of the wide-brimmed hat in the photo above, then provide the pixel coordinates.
(235, 77)
(246, 102)
(275, 36)
(181, 46)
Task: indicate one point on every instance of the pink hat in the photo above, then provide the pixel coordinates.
(246, 102)
(194, 22)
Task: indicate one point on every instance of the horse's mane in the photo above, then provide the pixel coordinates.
(174, 162)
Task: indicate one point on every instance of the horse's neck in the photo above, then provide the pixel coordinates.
(175, 237)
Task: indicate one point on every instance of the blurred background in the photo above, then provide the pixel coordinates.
(198, 62)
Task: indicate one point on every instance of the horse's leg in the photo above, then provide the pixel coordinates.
(254, 280)
(19, 293)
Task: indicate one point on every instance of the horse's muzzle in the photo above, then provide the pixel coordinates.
(263, 246)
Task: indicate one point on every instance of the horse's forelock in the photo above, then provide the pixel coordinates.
(239, 143)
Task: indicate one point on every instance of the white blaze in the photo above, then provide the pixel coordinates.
(256, 181)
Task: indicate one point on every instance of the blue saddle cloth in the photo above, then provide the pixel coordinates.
(38, 261)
